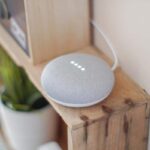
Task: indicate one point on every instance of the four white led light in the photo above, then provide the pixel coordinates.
(77, 65)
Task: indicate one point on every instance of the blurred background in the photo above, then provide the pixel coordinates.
(127, 24)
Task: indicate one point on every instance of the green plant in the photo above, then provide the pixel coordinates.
(19, 94)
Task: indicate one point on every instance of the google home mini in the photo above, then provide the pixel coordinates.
(77, 80)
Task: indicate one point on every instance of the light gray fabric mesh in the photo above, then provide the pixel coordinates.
(77, 80)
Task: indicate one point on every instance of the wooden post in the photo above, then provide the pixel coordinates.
(122, 130)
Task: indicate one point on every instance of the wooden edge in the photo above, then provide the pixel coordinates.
(13, 49)
(87, 122)
(127, 130)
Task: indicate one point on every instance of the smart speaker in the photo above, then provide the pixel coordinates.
(77, 80)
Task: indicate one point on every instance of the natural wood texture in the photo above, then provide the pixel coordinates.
(52, 27)
(62, 140)
(123, 131)
(56, 27)
(125, 110)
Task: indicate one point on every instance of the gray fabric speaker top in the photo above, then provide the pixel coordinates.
(77, 80)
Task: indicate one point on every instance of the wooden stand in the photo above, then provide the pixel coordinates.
(119, 123)
(122, 130)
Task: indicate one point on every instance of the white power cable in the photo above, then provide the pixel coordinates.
(116, 62)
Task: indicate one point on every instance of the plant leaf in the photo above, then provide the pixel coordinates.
(34, 97)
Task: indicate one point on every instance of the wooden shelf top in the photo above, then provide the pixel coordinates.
(126, 93)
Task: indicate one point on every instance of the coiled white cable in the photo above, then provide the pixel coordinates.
(116, 62)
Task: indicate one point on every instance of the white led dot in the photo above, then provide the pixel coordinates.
(83, 69)
(72, 62)
(79, 66)
(76, 64)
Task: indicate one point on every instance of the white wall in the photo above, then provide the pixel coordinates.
(127, 24)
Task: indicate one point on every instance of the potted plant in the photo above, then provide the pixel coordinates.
(27, 119)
